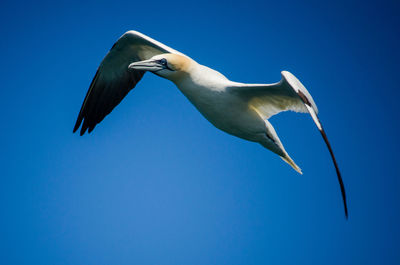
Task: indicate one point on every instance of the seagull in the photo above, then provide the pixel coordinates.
(236, 108)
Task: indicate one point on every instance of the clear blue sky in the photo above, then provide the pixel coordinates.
(156, 183)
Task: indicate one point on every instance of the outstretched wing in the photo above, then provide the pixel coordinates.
(113, 79)
(288, 94)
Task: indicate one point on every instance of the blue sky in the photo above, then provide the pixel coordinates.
(156, 183)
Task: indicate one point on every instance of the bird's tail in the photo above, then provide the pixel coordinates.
(273, 143)
(290, 161)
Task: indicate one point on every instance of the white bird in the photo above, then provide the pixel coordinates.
(239, 109)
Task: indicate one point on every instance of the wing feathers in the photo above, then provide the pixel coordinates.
(80, 115)
(113, 79)
(312, 109)
(288, 94)
(339, 175)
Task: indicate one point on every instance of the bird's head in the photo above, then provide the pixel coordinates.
(167, 65)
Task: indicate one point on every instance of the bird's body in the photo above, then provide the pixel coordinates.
(208, 90)
(237, 108)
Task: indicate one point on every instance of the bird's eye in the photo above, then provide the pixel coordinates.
(163, 61)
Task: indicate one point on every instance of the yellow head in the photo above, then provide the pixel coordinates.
(167, 65)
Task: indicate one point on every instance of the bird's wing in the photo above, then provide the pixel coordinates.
(113, 79)
(270, 99)
(288, 94)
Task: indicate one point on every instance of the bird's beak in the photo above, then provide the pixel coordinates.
(147, 65)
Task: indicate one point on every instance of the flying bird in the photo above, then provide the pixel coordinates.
(236, 108)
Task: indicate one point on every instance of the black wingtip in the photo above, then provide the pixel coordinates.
(346, 213)
(339, 175)
(75, 129)
(83, 128)
(314, 116)
(77, 123)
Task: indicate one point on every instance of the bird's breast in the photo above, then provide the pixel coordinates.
(224, 110)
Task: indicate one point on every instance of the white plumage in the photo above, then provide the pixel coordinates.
(239, 109)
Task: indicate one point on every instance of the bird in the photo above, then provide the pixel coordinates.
(236, 108)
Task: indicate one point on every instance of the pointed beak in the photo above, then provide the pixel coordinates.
(147, 65)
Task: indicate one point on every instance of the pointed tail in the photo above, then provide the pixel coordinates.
(290, 161)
